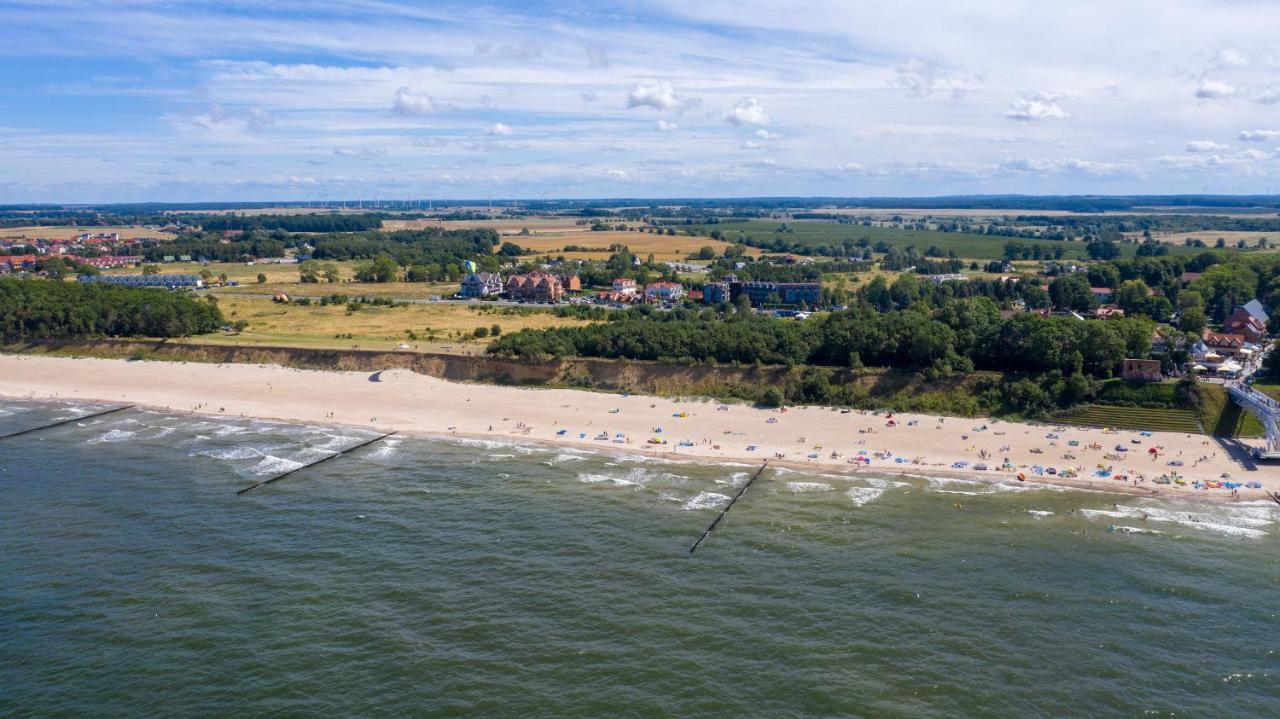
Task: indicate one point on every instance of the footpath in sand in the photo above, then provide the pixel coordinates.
(821, 438)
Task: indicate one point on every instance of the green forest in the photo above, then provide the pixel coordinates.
(53, 310)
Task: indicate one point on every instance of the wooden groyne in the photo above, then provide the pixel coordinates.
(309, 465)
(61, 422)
(727, 507)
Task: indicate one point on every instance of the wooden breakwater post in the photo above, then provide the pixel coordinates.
(1275, 496)
(61, 422)
(309, 465)
(727, 507)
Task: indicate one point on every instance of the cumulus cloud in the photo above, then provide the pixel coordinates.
(1204, 146)
(499, 129)
(1214, 90)
(658, 95)
(1037, 106)
(765, 135)
(664, 126)
(1243, 161)
(1258, 135)
(1047, 166)
(748, 111)
(617, 175)
(407, 102)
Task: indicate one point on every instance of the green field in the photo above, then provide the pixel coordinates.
(1121, 406)
(824, 232)
(1135, 418)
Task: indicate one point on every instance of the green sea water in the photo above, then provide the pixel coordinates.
(444, 577)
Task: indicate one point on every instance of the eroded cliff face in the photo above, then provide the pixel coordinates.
(658, 378)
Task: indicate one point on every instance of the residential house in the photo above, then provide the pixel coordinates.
(1101, 294)
(663, 292)
(571, 283)
(762, 293)
(481, 284)
(1243, 323)
(625, 287)
(535, 287)
(716, 292)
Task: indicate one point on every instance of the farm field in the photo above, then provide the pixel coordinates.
(550, 235)
(435, 327)
(1209, 237)
(284, 278)
(64, 232)
(968, 246)
(235, 271)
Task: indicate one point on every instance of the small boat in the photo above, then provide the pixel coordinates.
(562, 433)
(603, 435)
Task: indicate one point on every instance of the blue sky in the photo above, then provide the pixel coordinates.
(141, 100)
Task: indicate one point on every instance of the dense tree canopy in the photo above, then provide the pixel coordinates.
(38, 309)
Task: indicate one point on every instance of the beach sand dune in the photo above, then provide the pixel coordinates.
(692, 429)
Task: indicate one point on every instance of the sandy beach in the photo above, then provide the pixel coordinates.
(822, 439)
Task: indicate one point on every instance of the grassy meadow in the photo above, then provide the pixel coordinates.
(425, 327)
(966, 246)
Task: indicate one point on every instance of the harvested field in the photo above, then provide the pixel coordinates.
(63, 232)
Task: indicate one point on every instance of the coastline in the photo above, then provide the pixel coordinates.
(702, 431)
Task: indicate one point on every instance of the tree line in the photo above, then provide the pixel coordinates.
(31, 309)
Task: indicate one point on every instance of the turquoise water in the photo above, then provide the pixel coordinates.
(451, 578)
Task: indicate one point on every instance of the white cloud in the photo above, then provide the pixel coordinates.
(1258, 135)
(664, 126)
(1214, 90)
(359, 152)
(617, 175)
(1231, 57)
(407, 102)
(1270, 96)
(765, 135)
(923, 77)
(658, 95)
(1205, 146)
(1037, 106)
(1048, 166)
(597, 57)
(258, 118)
(748, 111)
(500, 130)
